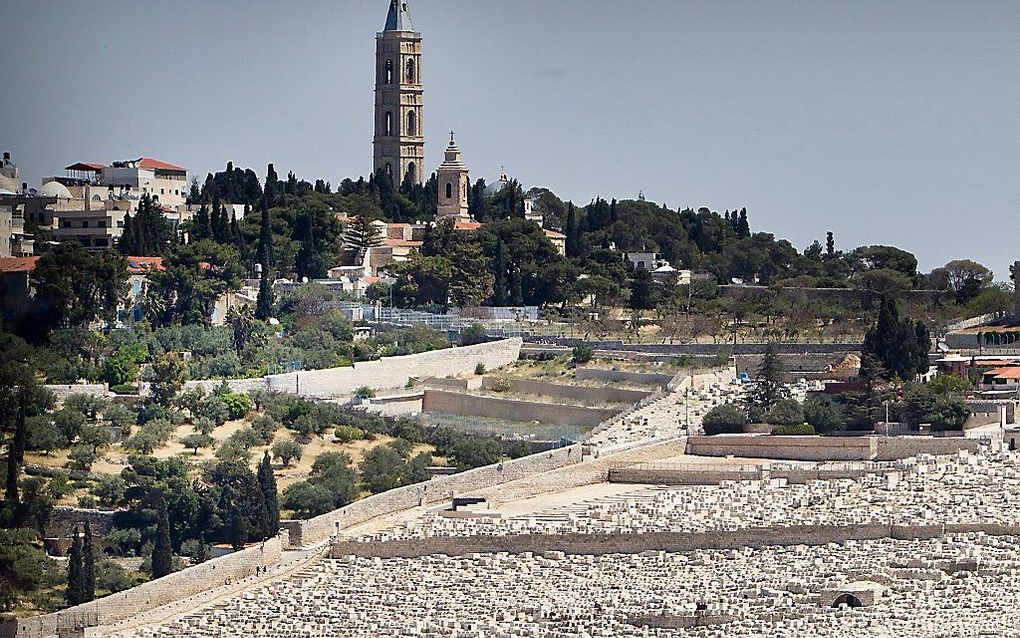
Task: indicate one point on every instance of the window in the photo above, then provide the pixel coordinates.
(449, 190)
(85, 223)
(162, 191)
(100, 242)
(412, 172)
(389, 169)
(389, 71)
(120, 223)
(101, 223)
(412, 123)
(66, 224)
(388, 124)
(410, 71)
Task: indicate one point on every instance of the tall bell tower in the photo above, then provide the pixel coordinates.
(399, 139)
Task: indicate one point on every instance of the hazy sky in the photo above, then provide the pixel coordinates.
(884, 121)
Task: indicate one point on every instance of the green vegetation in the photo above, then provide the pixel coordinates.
(728, 418)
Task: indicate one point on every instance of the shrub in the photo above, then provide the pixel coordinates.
(238, 404)
(473, 334)
(364, 392)
(798, 429)
(501, 384)
(728, 418)
(583, 353)
(948, 413)
(785, 412)
(347, 433)
(82, 457)
(215, 407)
(110, 490)
(480, 369)
(124, 388)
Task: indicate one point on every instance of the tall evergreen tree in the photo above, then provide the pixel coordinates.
(238, 531)
(768, 388)
(501, 283)
(162, 550)
(830, 244)
(201, 225)
(13, 471)
(572, 231)
(271, 189)
(271, 505)
(88, 564)
(16, 450)
(75, 592)
(743, 228)
(900, 345)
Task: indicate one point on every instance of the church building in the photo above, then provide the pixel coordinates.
(399, 146)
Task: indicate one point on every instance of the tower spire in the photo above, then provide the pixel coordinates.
(398, 18)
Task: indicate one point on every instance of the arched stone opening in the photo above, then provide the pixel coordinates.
(851, 601)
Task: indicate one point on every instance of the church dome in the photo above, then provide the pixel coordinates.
(54, 189)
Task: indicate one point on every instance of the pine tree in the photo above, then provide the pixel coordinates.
(271, 505)
(162, 550)
(74, 594)
(361, 234)
(88, 563)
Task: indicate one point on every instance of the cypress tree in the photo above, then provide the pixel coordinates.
(271, 185)
(265, 247)
(743, 229)
(572, 234)
(768, 388)
(162, 551)
(612, 213)
(270, 502)
(13, 470)
(74, 594)
(499, 285)
(88, 563)
(238, 529)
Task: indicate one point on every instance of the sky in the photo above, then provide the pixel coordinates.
(886, 122)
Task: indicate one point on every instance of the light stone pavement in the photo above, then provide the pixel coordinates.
(962, 586)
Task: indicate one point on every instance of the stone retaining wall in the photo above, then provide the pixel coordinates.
(715, 475)
(620, 376)
(93, 389)
(461, 404)
(817, 448)
(389, 373)
(601, 544)
(156, 593)
(573, 392)
(439, 489)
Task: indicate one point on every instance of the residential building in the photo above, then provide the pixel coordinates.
(96, 229)
(15, 288)
(139, 268)
(14, 241)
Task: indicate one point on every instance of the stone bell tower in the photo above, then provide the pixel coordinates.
(453, 184)
(399, 138)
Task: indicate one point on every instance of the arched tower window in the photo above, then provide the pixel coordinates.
(389, 71)
(389, 169)
(410, 71)
(412, 172)
(412, 123)
(388, 125)
(449, 190)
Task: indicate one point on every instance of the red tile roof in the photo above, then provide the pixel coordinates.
(17, 264)
(552, 234)
(405, 243)
(370, 280)
(466, 225)
(1012, 372)
(142, 265)
(155, 164)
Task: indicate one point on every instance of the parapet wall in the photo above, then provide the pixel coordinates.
(512, 410)
(320, 528)
(389, 373)
(630, 543)
(818, 448)
(129, 603)
(573, 392)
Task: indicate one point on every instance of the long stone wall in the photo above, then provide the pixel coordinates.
(439, 489)
(573, 392)
(817, 448)
(390, 373)
(714, 475)
(156, 593)
(472, 405)
(93, 389)
(601, 544)
(621, 376)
